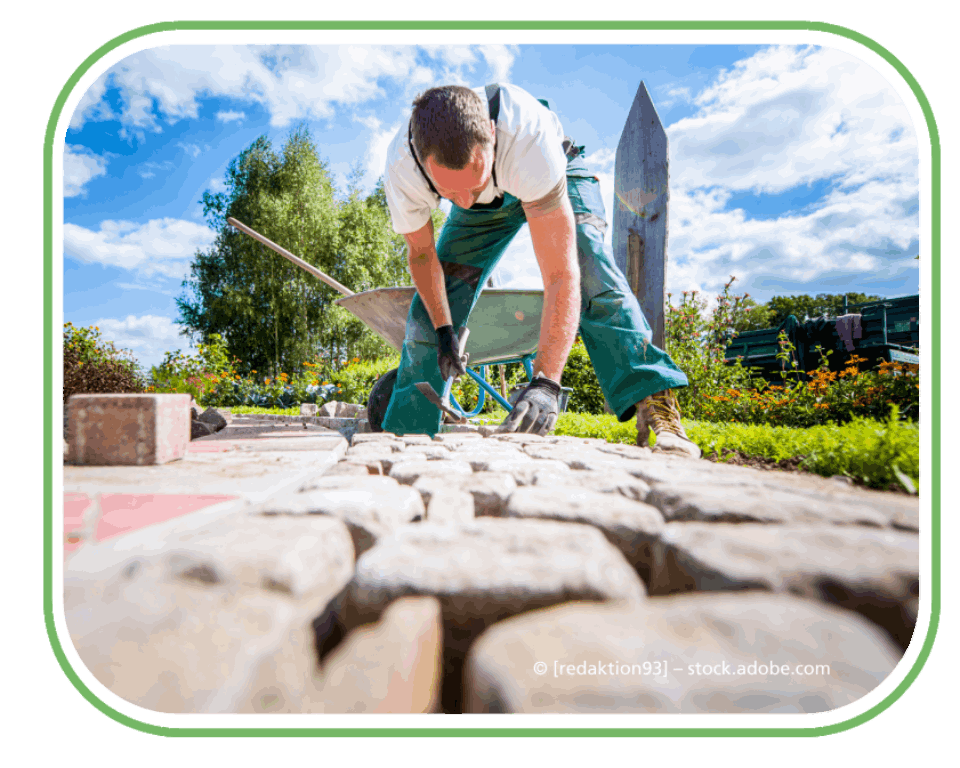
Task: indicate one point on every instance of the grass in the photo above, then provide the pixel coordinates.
(295, 411)
(876, 454)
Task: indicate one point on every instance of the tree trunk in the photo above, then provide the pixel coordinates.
(276, 330)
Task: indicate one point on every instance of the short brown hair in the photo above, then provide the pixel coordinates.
(447, 123)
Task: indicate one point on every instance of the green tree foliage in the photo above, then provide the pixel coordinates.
(754, 317)
(805, 307)
(274, 316)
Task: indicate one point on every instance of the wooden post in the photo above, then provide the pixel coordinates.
(641, 195)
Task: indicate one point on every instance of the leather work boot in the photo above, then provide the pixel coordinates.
(660, 413)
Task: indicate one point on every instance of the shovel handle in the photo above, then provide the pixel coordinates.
(290, 257)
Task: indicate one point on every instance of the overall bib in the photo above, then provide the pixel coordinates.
(612, 326)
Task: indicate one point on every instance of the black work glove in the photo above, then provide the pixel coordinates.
(536, 409)
(448, 353)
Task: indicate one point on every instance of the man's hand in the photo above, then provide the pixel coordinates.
(536, 410)
(448, 353)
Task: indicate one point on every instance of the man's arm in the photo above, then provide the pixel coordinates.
(427, 274)
(555, 246)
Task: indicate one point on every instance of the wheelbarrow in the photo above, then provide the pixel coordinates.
(504, 328)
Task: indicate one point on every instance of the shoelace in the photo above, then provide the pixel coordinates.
(663, 411)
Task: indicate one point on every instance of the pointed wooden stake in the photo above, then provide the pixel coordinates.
(641, 195)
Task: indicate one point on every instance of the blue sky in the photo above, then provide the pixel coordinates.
(793, 168)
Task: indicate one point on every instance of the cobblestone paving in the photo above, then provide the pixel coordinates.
(283, 567)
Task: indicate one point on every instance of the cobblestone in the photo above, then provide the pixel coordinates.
(281, 566)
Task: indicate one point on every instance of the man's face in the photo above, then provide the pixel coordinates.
(463, 187)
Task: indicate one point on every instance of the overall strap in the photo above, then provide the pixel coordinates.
(493, 106)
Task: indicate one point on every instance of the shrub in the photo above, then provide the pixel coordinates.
(697, 341)
(829, 397)
(94, 366)
(355, 380)
(211, 378)
(578, 374)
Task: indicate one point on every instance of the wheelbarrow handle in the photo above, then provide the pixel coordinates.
(290, 257)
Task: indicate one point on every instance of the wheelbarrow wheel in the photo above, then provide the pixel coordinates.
(379, 399)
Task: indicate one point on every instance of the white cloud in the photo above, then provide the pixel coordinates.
(162, 247)
(377, 145)
(191, 149)
(80, 165)
(149, 169)
(518, 268)
(674, 95)
(775, 122)
(217, 184)
(230, 116)
(147, 336)
(788, 117)
(164, 84)
(499, 59)
(92, 105)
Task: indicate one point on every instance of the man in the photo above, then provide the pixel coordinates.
(500, 156)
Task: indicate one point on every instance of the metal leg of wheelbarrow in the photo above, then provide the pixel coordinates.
(481, 379)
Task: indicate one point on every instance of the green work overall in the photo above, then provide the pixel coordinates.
(614, 330)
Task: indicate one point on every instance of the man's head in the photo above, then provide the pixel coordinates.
(454, 137)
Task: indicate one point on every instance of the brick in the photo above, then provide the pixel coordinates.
(388, 459)
(450, 506)
(216, 618)
(481, 572)
(873, 572)
(407, 472)
(734, 637)
(372, 437)
(357, 468)
(416, 439)
(391, 666)
(371, 507)
(452, 438)
(632, 526)
(128, 429)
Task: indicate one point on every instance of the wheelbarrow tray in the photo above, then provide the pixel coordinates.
(504, 324)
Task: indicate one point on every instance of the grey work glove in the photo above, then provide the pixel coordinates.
(536, 409)
(448, 353)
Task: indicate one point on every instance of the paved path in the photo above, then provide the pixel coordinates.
(279, 567)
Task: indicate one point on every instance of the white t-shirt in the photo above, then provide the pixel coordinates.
(529, 164)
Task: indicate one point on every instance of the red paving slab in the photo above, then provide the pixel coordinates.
(74, 505)
(124, 512)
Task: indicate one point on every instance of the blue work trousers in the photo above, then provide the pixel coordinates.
(615, 332)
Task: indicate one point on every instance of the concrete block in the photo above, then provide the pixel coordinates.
(128, 429)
